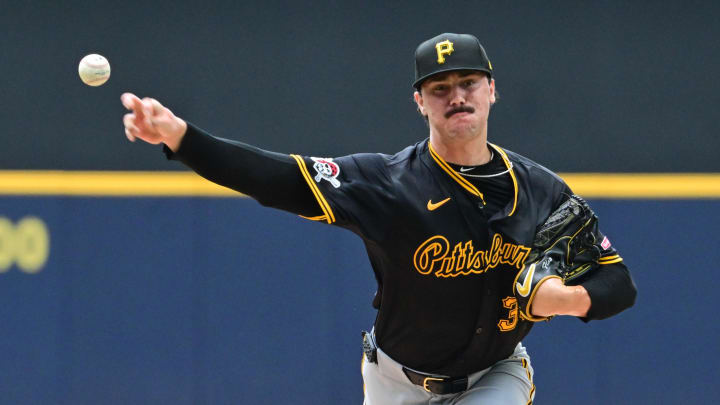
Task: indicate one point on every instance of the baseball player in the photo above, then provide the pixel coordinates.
(448, 224)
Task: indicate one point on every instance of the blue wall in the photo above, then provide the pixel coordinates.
(218, 300)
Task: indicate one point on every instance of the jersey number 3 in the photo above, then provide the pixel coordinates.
(509, 324)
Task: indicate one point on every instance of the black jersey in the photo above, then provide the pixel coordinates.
(444, 267)
(444, 250)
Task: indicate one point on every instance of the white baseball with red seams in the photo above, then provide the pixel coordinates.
(94, 70)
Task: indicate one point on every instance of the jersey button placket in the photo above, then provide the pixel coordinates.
(481, 208)
(481, 202)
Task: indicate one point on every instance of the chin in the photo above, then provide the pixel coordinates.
(463, 131)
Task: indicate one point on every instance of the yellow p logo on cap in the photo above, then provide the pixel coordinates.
(443, 48)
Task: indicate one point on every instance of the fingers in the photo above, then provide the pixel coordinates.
(148, 120)
(153, 110)
(135, 129)
(129, 122)
(131, 130)
(158, 111)
(152, 105)
(128, 100)
(134, 104)
(144, 109)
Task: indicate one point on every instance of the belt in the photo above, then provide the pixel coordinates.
(436, 384)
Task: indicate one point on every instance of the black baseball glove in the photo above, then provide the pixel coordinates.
(566, 246)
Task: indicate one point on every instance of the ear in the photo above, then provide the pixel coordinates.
(492, 91)
(419, 101)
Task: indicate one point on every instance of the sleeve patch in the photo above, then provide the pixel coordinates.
(605, 243)
(326, 169)
(329, 216)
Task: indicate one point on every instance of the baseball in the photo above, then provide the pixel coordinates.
(94, 70)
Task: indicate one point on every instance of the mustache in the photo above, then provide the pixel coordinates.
(462, 108)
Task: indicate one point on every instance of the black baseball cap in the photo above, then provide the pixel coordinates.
(448, 52)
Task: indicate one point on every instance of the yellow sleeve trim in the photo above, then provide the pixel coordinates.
(329, 216)
(610, 259)
(317, 218)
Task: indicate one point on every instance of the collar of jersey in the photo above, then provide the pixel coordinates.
(509, 165)
(469, 186)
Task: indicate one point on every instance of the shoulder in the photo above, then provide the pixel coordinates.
(538, 184)
(382, 160)
(532, 170)
(372, 167)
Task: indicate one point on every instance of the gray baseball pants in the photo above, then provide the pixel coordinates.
(507, 382)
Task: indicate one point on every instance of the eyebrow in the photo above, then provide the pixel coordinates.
(463, 73)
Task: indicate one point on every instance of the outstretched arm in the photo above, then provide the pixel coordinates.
(273, 179)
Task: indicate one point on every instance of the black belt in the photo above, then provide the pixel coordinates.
(440, 385)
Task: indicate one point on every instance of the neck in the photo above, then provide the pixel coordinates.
(465, 152)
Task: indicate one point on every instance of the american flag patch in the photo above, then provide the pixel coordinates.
(605, 243)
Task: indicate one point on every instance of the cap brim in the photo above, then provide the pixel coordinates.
(419, 81)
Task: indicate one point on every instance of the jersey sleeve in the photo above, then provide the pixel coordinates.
(610, 286)
(611, 290)
(608, 253)
(352, 191)
(270, 178)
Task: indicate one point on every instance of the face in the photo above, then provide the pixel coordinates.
(457, 104)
